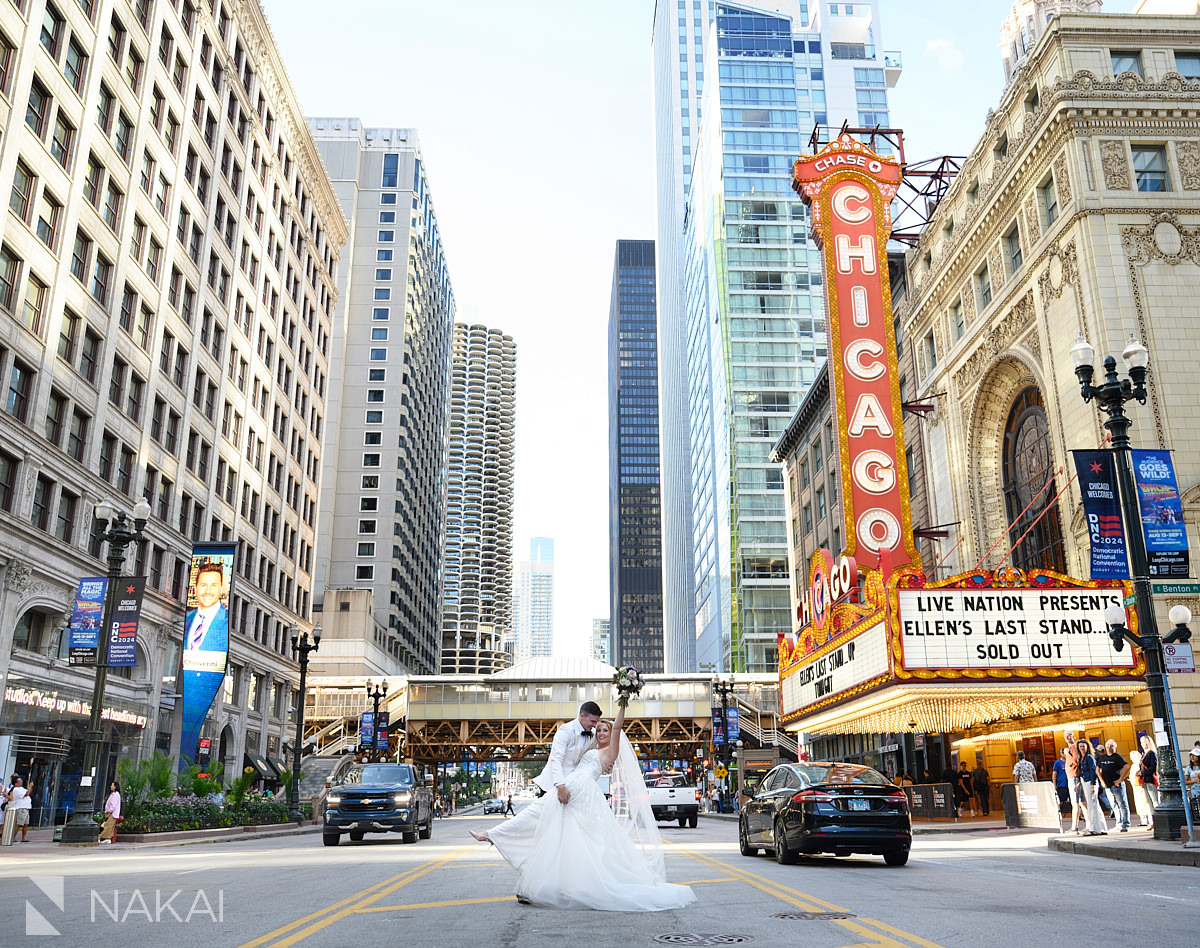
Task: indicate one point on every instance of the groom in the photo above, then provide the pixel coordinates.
(571, 740)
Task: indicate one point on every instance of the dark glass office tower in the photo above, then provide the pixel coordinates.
(635, 518)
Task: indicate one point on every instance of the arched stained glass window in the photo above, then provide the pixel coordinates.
(1028, 468)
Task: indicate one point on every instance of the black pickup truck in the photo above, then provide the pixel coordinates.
(379, 798)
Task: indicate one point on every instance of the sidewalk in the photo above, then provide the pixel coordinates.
(42, 841)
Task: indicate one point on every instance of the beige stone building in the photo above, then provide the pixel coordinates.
(167, 288)
(1078, 212)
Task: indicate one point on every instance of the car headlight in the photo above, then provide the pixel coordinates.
(333, 799)
(402, 798)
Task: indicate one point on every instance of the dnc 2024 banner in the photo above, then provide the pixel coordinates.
(1102, 510)
(1162, 513)
(205, 636)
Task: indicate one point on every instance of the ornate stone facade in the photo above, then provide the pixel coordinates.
(1099, 257)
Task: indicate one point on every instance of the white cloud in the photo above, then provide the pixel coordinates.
(948, 55)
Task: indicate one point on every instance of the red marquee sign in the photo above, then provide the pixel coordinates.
(849, 189)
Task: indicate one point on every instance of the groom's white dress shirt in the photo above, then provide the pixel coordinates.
(566, 750)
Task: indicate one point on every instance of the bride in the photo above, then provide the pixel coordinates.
(586, 854)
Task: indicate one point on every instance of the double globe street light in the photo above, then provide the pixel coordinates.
(375, 693)
(1111, 396)
(301, 646)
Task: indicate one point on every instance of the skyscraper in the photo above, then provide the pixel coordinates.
(478, 580)
(533, 602)
(741, 310)
(601, 641)
(384, 490)
(635, 524)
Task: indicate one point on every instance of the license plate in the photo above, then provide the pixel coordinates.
(860, 804)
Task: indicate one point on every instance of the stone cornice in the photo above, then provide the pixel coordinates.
(255, 33)
(1068, 109)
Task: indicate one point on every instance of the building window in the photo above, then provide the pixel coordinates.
(20, 389)
(64, 523)
(366, 549)
(10, 270)
(37, 112)
(56, 411)
(929, 345)
(1187, 64)
(1028, 468)
(387, 236)
(1126, 61)
(21, 198)
(808, 519)
(983, 282)
(370, 460)
(1049, 200)
(391, 169)
(42, 493)
(49, 214)
(379, 355)
(35, 305)
(364, 572)
(1150, 167)
(1012, 243)
(956, 318)
(381, 313)
(366, 527)
(8, 480)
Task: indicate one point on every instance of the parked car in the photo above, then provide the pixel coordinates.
(379, 798)
(826, 808)
(673, 796)
(494, 805)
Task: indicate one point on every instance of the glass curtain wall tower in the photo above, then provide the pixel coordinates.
(752, 295)
(533, 602)
(635, 525)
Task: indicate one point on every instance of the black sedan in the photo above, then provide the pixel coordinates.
(826, 808)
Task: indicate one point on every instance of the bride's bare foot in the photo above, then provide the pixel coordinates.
(482, 837)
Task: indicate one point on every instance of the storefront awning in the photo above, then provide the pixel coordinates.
(936, 708)
(262, 765)
(278, 764)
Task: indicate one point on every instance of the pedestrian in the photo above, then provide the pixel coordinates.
(20, 803)
(1113, 769)
(1191, 780)
(983, 788)
(906, 779)
(1141, 802)
(112, 814)
(1148, 772)
(1088, 776)
(508, 808)
(715, 802)
(965, 787)
(1023, 770)
(1071, 759)
(1060, 782)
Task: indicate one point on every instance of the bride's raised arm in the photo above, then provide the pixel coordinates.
(608, 755)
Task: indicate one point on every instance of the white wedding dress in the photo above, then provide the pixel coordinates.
(579, 856)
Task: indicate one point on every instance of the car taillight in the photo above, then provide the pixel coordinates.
(898, 797)
(812, 796)
(697, 794)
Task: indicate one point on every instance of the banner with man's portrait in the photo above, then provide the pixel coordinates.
(205, 636)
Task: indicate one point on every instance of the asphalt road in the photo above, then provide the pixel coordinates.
(961, 889)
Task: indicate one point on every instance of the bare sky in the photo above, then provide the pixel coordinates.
(535, 120)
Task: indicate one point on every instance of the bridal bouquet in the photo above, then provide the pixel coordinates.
(629, 683)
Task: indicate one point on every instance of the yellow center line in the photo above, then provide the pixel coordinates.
(811, 903)
(347, 906)
(425, 905)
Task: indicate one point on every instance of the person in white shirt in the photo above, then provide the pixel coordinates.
(20, 803)
(1023, 770)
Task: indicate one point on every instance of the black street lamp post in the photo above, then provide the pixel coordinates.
(301, 646)
(111, 526)
(724, 688)
(376, 693)
(1111, 396)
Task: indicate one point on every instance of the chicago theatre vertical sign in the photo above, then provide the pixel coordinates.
(849, 190)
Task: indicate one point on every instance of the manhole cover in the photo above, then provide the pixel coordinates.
(701, 938)
(813, 916)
